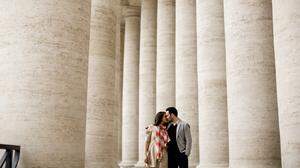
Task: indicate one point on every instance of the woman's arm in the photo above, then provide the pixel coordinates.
(147, 144)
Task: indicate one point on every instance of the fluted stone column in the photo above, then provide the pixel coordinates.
(165, 66)
(251, 90)
(286, 21)
(130, 88)
(101, 85)
(186, 70)
(212, 98)
(147, 72)
(43, 81)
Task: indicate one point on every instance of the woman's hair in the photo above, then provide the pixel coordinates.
(159, 118)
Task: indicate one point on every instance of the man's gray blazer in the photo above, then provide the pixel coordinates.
(183, 137)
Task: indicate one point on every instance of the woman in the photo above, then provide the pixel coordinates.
(156, 142)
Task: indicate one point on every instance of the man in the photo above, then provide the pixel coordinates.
(179, 147)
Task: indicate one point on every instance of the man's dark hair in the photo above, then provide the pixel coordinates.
(172, 110)
(159, 118)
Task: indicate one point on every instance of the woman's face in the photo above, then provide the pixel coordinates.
(165, 119)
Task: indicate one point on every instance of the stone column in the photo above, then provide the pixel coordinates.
(165, 63)
(212, 98)
(147, 71)
(130, 88)
(186, 70)
(286, 23)
(251, 89)
(43, 81)
(101, 85)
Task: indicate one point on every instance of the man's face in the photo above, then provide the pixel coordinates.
(168, 116)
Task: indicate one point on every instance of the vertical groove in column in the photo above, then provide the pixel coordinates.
(44, 64)
(130, 88)
(118, 84)
(251, 89)
(165, 67)
(147, 72)
(101, 85)
(286, 23)
(212, 97)
(186, 70)
(121, 87)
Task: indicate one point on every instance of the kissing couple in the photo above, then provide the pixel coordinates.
(168, 141)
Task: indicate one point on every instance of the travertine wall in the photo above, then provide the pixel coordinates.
(147, 72)
(251, 89)
(212, 97)
(43, 81)
(286, 21)
(186, 71)
(130, 88)
(100, 124)
(165, 59)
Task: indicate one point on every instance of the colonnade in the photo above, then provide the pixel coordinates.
(221, 77)
(231, 67)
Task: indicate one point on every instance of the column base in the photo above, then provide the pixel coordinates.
(255, 164)
(213, 166)
(139, 164)
(127, 164)
(192, 165)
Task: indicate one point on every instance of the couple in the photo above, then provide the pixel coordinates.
(168, 141)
